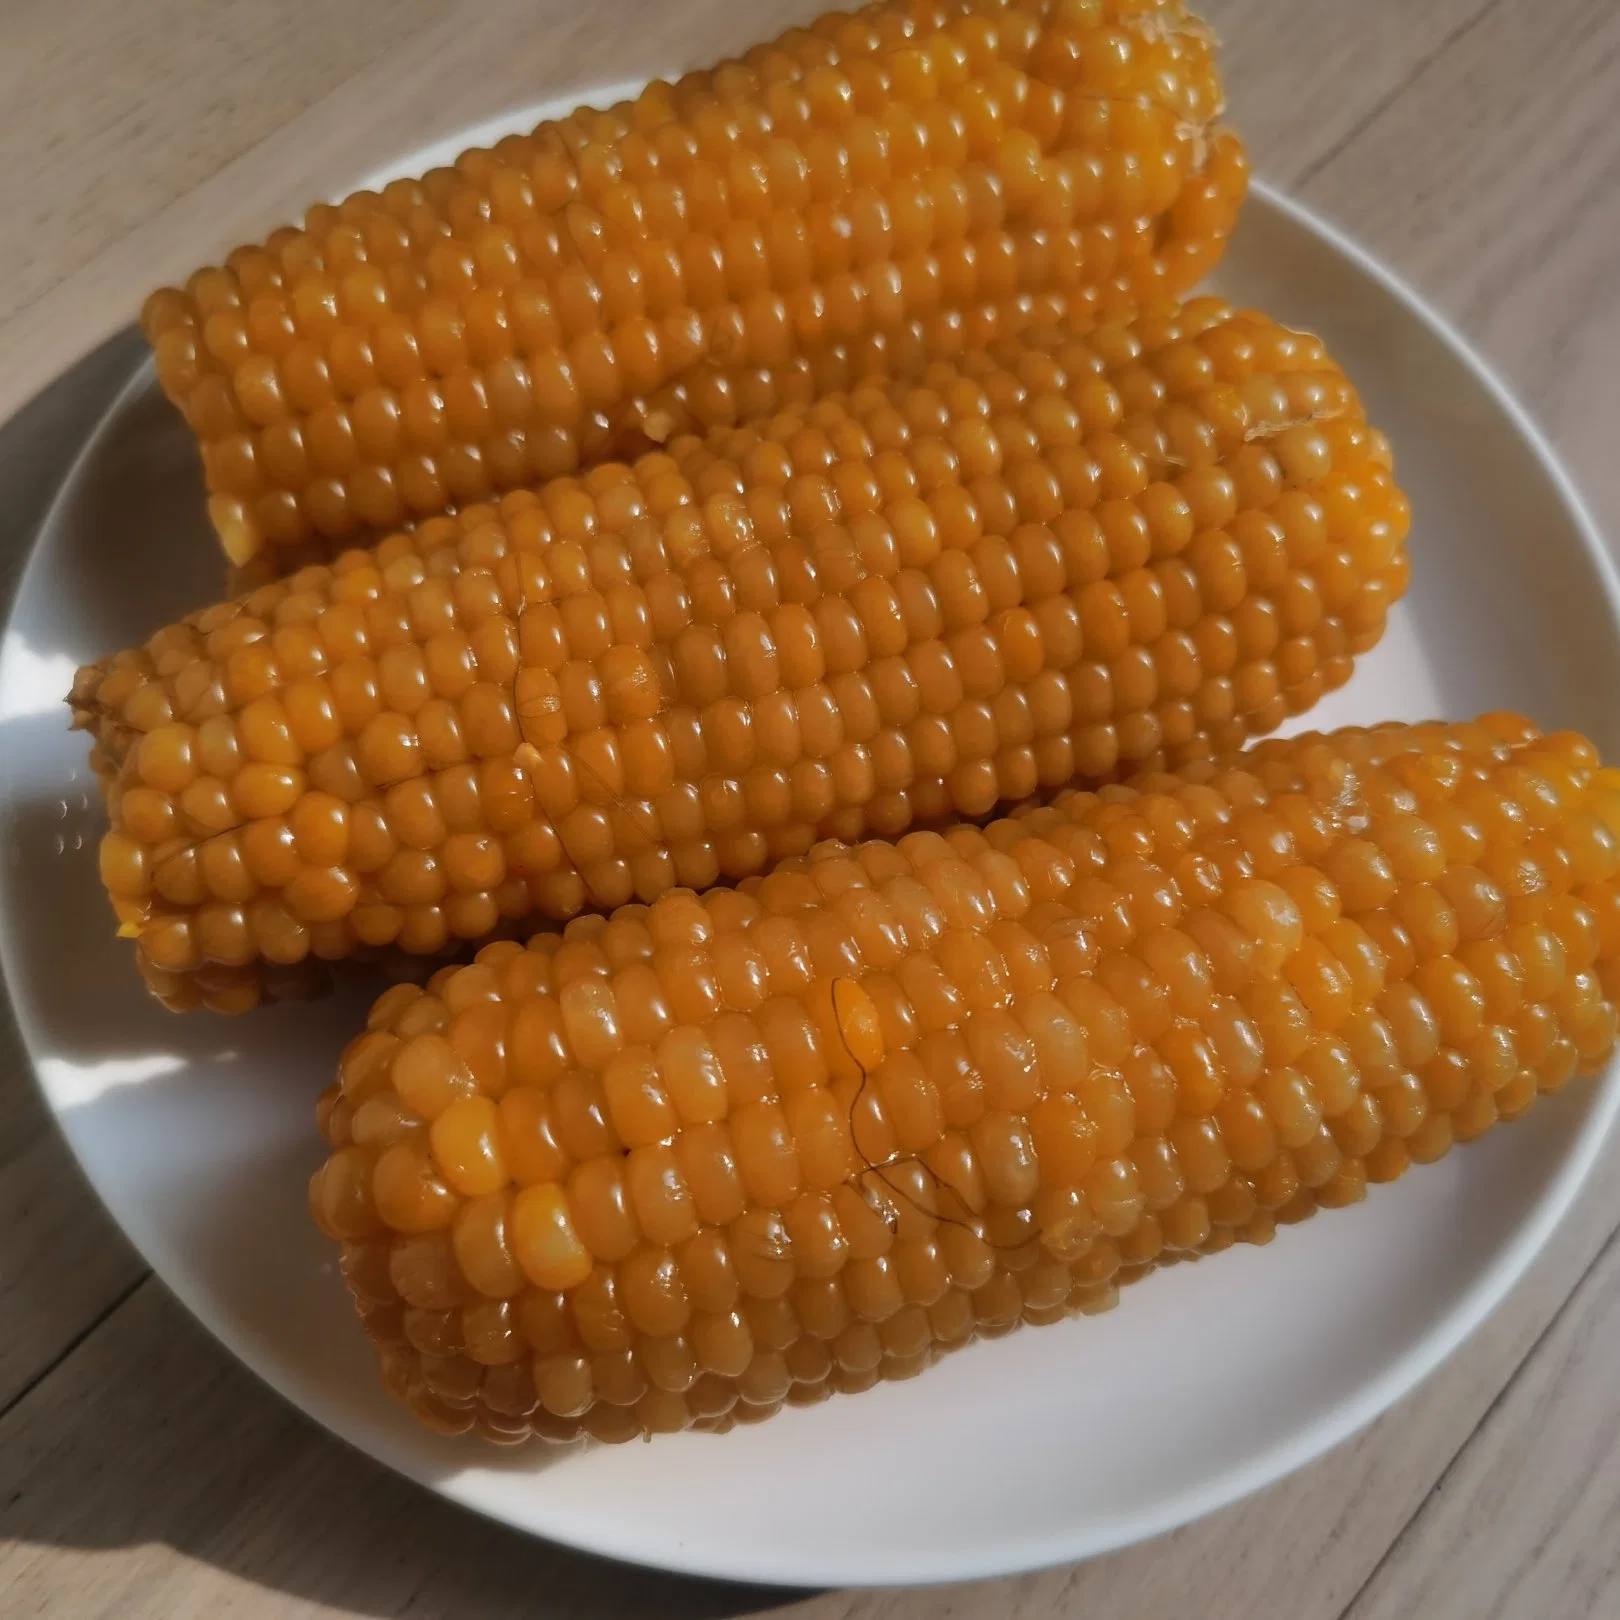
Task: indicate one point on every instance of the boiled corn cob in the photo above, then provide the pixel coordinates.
(892, 606)
(911, 178)
(671, 1169)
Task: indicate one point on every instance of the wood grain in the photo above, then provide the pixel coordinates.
(1545, 1467)
(446, 66)
(1319, 1536)
(154, 1450)
(69, 1267)
(1304, 80)
(1470, 143)
(150, 1472)
(1493, 182)
(99, 91)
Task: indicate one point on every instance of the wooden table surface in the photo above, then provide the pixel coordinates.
(1472, 144)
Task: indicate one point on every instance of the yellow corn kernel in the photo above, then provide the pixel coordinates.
(1083, 1090)
(1059, 561)
(842, 202)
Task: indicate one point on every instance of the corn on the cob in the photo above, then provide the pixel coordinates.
(913, 601)
(676, 1167)
(912, 178)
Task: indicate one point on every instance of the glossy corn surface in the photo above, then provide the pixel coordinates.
(1056, 562)
(911, 179)
(675, 1168)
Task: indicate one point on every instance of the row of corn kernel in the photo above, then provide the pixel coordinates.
(910, 601)
(904, 183)
(678, 1165)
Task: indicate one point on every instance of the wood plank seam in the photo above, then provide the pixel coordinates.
(1413, 1522)
(1525, 1528)
(1411, 1533)
(1393, 95)
(97, 1321)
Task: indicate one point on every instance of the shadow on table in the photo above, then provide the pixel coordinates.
(149, 1434)
(144, 1434)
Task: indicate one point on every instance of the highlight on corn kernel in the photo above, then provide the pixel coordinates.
(852, 199)
(684, 1165)
(1058, 560)
(764, 608)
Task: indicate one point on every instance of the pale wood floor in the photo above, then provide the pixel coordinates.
(1473, 144)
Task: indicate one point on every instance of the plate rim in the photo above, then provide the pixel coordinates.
(1336, 1424)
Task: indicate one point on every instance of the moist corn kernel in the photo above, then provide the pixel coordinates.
(693, 259)
(682, 669)
(982, 1079)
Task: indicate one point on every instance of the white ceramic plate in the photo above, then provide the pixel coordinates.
(1207, 1383)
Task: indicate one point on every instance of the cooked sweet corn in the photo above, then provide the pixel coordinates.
(676, 1167)
(895, 471)
(906, 603)
(907, 180)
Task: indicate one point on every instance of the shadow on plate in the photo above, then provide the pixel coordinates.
(145, 1431)
(148, 1437)
(147, 1434)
